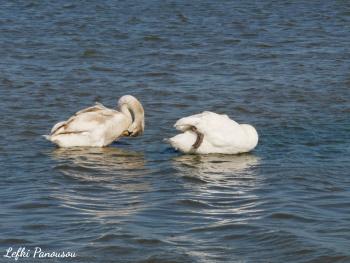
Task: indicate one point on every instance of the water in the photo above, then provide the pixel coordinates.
(282, 66)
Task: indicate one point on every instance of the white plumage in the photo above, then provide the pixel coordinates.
(209, 132)
(99, 126)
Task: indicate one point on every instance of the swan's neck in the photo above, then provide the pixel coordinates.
(133, 110)
(127, 112)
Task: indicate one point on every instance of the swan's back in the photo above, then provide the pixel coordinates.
(252, 137)
(96, 126)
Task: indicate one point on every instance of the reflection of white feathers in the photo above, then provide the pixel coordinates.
(219, 134)
(97, 177)
(219, 169)
(106, 160)
(216, 164)
(99, 126)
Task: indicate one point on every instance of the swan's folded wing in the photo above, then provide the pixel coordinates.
(219, 130)
(85, 121)
(97, 107)
(57, 126)
(200, 121)
(184, 124)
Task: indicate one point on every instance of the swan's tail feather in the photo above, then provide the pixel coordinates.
(169, 140)
(47, 137)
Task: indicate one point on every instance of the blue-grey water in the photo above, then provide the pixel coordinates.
(282, 66)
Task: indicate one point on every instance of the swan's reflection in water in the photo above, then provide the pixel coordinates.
(104, 160)
(102, 182)
(222, 186)
(219, 169)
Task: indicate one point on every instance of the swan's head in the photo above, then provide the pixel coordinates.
(130, 106)
(136, 128)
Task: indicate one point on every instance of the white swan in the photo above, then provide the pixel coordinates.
(99, 126)
(209, 132)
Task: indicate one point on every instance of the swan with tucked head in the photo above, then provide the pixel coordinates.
(209, 132)
(99, 126)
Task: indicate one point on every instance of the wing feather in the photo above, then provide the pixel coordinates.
(97, 107)
(85, 120)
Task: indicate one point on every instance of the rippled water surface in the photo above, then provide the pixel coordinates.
(282, 66)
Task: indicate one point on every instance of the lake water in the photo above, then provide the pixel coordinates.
(282, 66)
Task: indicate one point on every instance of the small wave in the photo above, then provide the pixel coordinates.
(69, 6)
(30, 5)
(347, 13)
(232, 41)
(92, 53)
(264, 45)
(144, 241)
(193, 203)
(111, 237)
(35, 227)
(284, 216)
(240, 227)
(156, 74)
(152, 38)
(97, 68)
(33, 205)
(194, 179)
(14, 241)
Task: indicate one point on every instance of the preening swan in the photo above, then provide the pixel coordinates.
(99, 126)
(209, 132)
